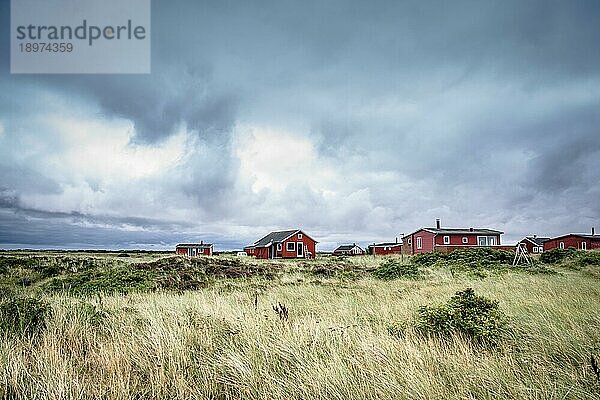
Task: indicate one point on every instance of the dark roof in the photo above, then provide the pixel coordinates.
(536, 240)
(346, 247)
(386, 244)
(197, 245)
(461, 231)
(582, 235)
(277, 237)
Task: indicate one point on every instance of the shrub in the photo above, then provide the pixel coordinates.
(24, 316)
(392, 269)
(556, 256)
(588, 258)
(466, 313)
(111, 280)
(472, 258)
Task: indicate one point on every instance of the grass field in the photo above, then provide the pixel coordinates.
(171, 327)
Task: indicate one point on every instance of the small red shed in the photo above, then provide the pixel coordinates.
(382, 249)
(292, 243)
(194, 249)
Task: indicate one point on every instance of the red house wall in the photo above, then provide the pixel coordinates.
(183, 251)
(528, 245)
(309, 246)
(571, 241)
(456, 239)
(426, 240)
(384, 250)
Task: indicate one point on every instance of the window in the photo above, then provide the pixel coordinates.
(486, 240)
(540, 249)
(446, 239)
(299, 236)
(409, 241)
(583, 246)
(291, 246)
(465, 240)
(535, 249)
(561, 245)
(419, 242)
(279, 246)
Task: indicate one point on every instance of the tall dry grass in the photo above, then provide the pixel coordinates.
(215, 344)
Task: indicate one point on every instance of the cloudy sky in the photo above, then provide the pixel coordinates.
(356, 121)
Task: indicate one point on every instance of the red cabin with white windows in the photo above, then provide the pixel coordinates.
(534, 244)
(383, 249)
(580, 241)
(447, 239)
(284, 244)
(194, 249)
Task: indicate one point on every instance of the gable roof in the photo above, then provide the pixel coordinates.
(459, 231)
(278, 237)
(537, 240)
(347, 247)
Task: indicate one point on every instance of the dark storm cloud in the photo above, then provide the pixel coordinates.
(481, 112)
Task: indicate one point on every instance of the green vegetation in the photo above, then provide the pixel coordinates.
(474, 316)
(155, 326)
(393, 269)
(24, 316)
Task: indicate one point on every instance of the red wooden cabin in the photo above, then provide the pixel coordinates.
(284, 244)
(194, 249)
(447, 239)
(534, 244)
(579, 241)
(382, 249)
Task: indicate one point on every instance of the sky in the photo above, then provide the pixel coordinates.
(355, 121)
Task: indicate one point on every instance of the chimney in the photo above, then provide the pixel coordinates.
(438, 223)
(396, 239)
(535, 236)
(470, 229)
(593, 231)
(202, 242)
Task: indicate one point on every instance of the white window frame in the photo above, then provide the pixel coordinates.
(535, 249)
(292, 247)
(540, 249)
(419, 242)
(488, 241)
(465, 240)
(561, 245)
(279, 246)
(410, 241)
(583, 245)
(299, 236)
(446, 239)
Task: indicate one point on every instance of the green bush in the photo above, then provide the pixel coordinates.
(465, 259)
(466, 313)
(24, 316)
(588, 258)
(111, 280)
(392, 269)
(556, 256)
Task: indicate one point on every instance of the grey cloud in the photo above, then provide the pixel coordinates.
(482, 113)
